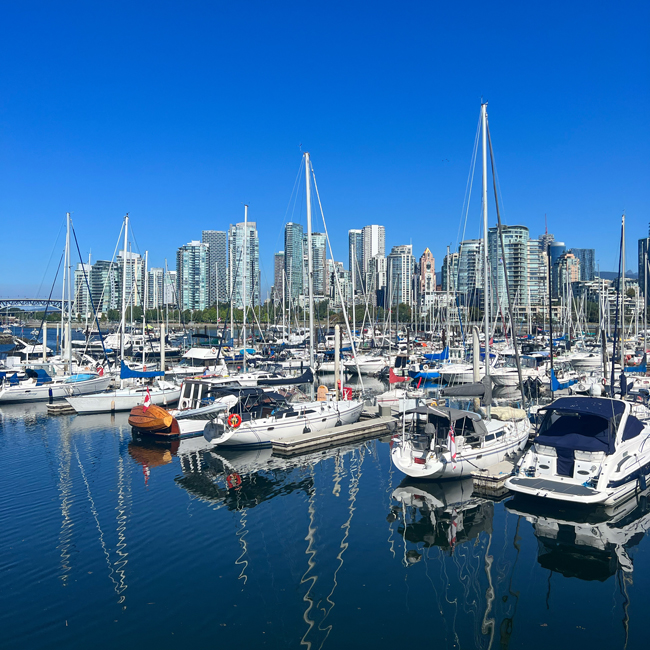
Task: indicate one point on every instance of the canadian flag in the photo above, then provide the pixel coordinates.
(451, 443)
(147, 401)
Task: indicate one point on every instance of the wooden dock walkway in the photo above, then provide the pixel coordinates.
(490, 482)
(306, 442)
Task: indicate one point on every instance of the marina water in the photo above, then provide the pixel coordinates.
(110, 543)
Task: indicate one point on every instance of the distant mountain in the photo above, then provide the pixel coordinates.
(612, 275)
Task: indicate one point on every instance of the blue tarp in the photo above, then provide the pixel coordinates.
(557, 385)
(127, 373)
(642, 367)
(438, 356)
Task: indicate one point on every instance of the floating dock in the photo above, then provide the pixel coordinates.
(491, 481)
(60, 408)
(306, 442)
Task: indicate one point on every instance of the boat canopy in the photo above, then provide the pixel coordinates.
(39, 375)
(202, 353)
(127, 373)
(438, 356)
(445, 412)
(581, 424)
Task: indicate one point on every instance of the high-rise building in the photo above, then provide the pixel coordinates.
(587, 257)
(217, 265)
(427, 276)
(237, 236)
(319, 263)
(155, 288)
(355, 257)
(339, 278)
(537, 272)
(515, 242)
(105, 285)
(192, 276)
(555, 250)
(374, 243)
(293, 259)
(568, 272)
(169, 291)
(400, 267)
(449, 272)
(376, 279)
(82, 304)
(278, 275)
(469, 278)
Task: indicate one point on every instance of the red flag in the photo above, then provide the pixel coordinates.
(394, 379)
(451, 443)
(147, 401)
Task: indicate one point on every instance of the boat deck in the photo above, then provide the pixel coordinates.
(572, 489)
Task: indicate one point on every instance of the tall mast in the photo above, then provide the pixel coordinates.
(244, 279)
(623, 294)
(126, 235)
(145, 299)
(486, 277)
(645, 297)
(68, 333)
(310, 262)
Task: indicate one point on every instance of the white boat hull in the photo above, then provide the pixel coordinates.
(60, 390)
(262, 431)
(122, 400)
(468, 460)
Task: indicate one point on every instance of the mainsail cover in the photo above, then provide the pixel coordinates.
(127, 373)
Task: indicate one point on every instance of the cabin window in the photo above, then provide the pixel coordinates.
(489, 437)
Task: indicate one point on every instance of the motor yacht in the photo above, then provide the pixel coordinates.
(588, 450)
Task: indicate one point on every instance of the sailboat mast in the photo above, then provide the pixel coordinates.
(68, 333)
(126, 236)
(486, 277)
(244, 277)
(310, 261)
(623, 294)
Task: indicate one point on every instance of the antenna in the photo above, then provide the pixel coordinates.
(545, 224)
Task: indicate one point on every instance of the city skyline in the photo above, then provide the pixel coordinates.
(175, 134)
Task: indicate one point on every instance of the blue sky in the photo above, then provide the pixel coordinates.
(180, 112)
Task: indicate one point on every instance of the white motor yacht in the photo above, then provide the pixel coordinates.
(366, 364)
(588, 450)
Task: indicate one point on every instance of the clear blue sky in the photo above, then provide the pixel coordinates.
(179, 112)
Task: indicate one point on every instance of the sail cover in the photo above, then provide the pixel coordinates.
(127, 373)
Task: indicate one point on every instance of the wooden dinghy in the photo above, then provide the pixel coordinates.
(154, 421)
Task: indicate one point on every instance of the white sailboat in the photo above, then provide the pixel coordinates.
(455, 443)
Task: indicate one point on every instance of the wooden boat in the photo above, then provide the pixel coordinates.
(155, 420)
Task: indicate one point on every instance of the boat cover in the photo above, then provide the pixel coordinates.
(39, 374)
(127, 373)
(438, 356)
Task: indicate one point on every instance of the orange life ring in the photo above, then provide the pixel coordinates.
(234, 420)
(233, 480)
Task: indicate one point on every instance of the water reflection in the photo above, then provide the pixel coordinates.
(590, 546)
(442, 514)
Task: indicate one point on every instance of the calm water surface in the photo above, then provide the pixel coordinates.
(107, 543)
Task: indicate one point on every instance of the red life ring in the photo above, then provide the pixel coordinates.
(233, 480)
(100, 371)
(604, 381)
(234, 420)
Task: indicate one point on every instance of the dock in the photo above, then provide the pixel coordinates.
(491, 481)
(307, 442)
(60, 408)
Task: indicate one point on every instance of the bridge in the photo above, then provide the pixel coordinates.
(28, 302)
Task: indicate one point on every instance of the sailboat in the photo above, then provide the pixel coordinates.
(454, 442)
(39, 385)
